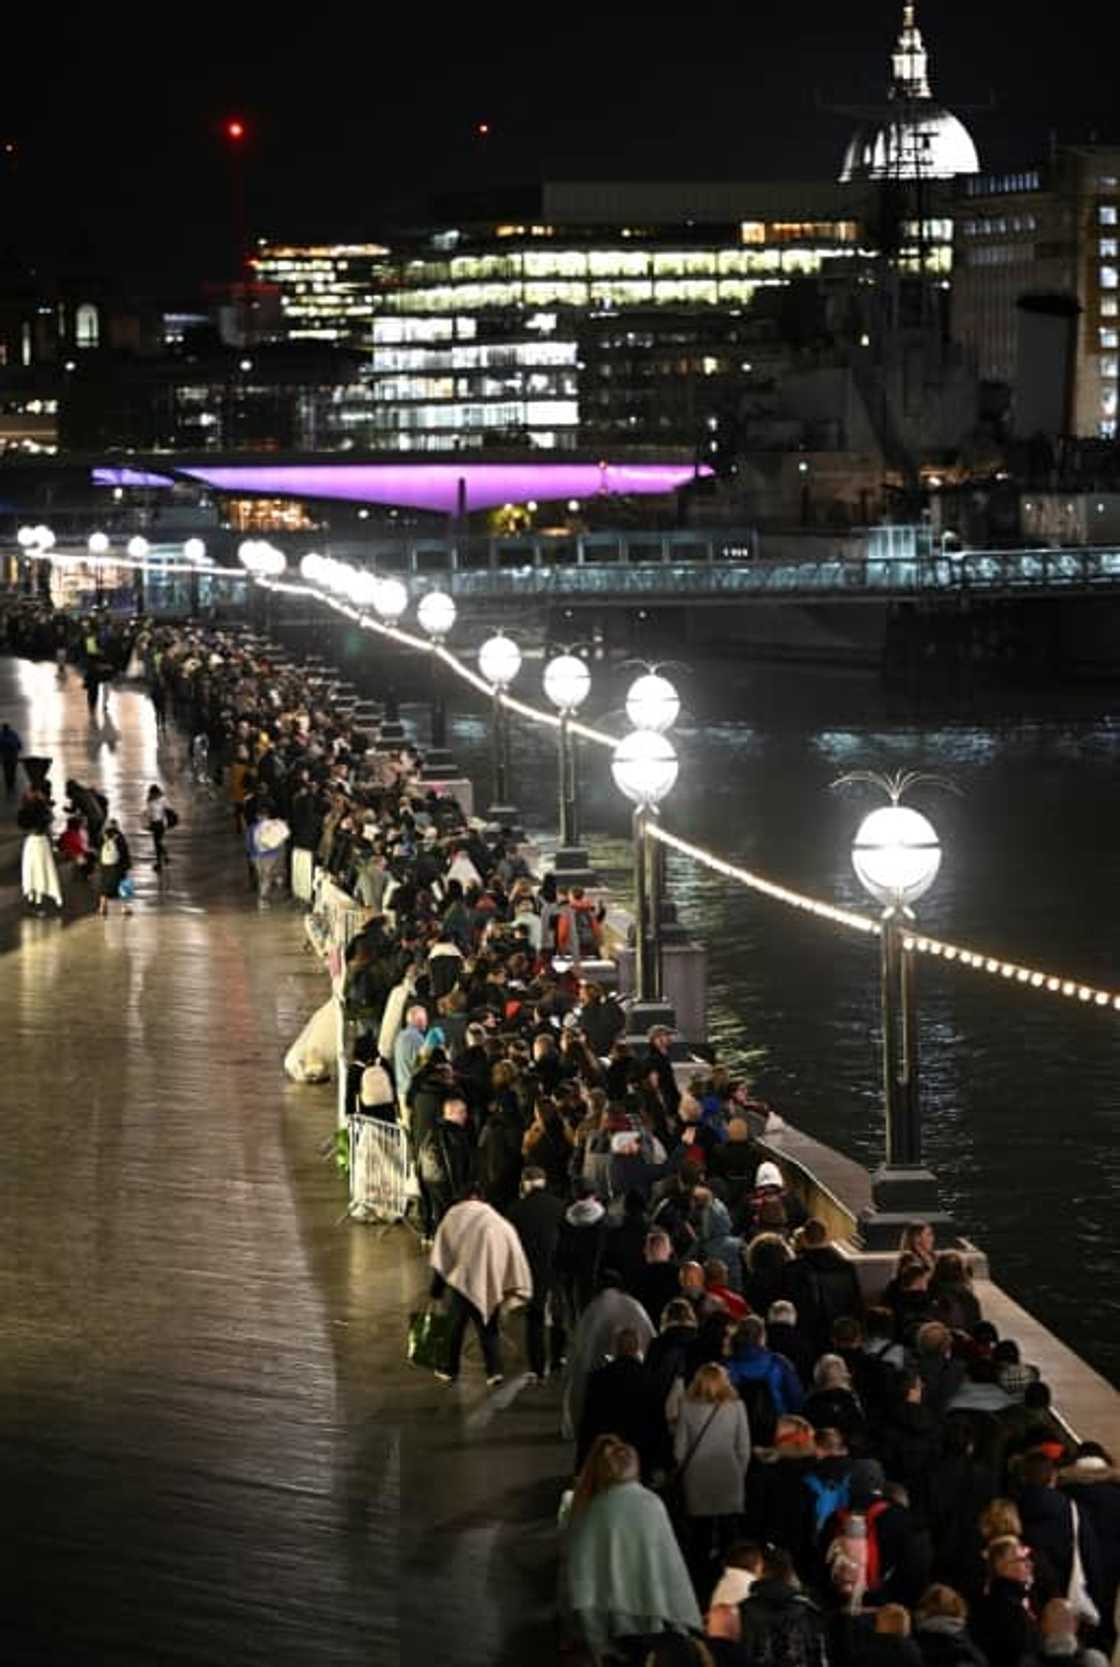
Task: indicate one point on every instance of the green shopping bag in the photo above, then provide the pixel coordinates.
(429, 1332)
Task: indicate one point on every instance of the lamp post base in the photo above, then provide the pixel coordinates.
(572, 867)
(506, 816)
(900, 1196)
(438, 765)
(643, 1016)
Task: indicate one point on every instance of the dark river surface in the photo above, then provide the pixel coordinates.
(1020, 1091)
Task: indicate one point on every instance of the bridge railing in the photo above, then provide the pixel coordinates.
(978, 572)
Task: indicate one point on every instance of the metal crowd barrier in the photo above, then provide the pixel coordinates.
(382, 1179)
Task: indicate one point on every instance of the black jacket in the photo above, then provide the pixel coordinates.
(447, 1163)
(781, 1628)
(621, 1399)
(943, 1646)
(601, 1022)
(537, 1218)
(823, 1287)
(1001, 1626)
(499, 1158)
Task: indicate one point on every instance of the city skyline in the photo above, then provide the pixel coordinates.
(124, 169)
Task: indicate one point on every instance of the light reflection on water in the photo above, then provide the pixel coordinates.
(1020, 1091)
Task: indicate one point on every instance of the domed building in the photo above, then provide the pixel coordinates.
(916, 138)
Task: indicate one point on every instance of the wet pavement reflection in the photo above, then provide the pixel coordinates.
(211, 1448)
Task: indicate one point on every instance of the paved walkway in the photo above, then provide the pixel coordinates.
(211, 1450)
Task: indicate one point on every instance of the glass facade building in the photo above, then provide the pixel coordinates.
(502, 333)
(1046, 234)
(327, 291)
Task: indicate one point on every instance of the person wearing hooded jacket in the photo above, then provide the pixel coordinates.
(537, 1217)
(1092, 1482)
(579, 1252)
(941, 1630)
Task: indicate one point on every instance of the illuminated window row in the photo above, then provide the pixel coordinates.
(506, 356)
(529, 413)
(560, 293)
(482, 385)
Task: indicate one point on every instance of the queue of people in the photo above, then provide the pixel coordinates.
(767, 1469)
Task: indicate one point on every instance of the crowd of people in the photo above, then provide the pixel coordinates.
(81, 836)
(774, 1464)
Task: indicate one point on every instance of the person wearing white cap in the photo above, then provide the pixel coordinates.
(771, 1206)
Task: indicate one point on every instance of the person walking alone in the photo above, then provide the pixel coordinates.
(159, 819)
(10, 748)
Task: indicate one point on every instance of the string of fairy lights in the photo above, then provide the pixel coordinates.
(951, 954)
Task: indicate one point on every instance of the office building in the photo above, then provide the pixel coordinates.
(1037, 287)
(327, 291)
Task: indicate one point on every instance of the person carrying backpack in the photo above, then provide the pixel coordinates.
(767, 1382)
(829, 1483)
(874, 1553)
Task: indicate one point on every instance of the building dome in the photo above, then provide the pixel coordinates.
(922, 142)
(915, 138)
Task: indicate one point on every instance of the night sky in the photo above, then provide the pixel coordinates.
(354, 116)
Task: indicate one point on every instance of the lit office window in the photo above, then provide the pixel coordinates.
(1108, 306)
(87, 326)
(1108, 248)
(1108, 277)
(1108, 368)
(1110, 338)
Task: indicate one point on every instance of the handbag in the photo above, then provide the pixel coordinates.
(429, 1333)
(171, 817)
(126, 888)
(671, 1489)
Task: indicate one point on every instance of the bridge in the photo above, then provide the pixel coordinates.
(614, 569)
(716, 581)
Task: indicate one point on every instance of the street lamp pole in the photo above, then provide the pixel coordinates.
(499, 661)
(896, 855)
(645, 767)
(436, 613)
(567, 682)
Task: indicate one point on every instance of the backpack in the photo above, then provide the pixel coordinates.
(854, 1558)
(109, 853)
(828, 1498)
(762, 1416)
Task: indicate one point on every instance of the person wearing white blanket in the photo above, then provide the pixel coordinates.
(477, 1257)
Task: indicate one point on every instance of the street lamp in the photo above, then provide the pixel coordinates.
(390, 598)
(896, 855)
(194, 550)
(138, 547)
(98, 544)
(436, 612)
(644, 767)
(567, 683)
(652, 703)
(499, 661)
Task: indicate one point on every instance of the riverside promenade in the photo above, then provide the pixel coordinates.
(211, 1448)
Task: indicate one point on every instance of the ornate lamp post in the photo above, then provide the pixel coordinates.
(567, 683)
(896, 855)
(499, 661)
(436, 613)
(390, 599)
(644, 767)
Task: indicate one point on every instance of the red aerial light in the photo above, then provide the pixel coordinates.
(235, 130)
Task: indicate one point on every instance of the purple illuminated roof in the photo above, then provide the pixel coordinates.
(129, 477)
(432, 486)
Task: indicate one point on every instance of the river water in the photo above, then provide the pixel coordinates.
(1020, 1093)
